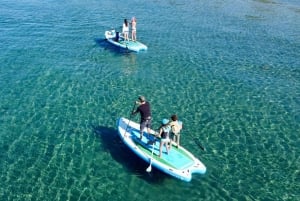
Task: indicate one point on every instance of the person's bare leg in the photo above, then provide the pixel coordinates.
(177, 140)
(160, 149)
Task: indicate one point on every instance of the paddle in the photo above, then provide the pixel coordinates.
(130, 116)
(151, 158)
(199, 144)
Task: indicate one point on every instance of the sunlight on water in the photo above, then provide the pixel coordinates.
(231, 74)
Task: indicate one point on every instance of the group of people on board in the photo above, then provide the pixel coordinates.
(169, 131)
(125, 29)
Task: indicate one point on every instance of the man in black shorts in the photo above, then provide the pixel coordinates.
(145, 112)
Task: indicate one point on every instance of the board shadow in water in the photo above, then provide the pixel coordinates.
(112, 143)
(102, 42)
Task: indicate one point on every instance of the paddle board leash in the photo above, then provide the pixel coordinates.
(199, 144)
(151, 158)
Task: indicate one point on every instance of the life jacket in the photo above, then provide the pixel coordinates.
(165, 132)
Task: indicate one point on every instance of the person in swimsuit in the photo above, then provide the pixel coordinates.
(164, 135)
(133, 29)
(176, 127)
(145, 113)
(125, 30)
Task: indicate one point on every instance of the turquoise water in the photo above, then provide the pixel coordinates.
(229, 69)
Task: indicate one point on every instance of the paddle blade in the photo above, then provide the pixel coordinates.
(149, 168)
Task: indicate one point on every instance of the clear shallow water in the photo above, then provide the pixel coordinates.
(230, 70)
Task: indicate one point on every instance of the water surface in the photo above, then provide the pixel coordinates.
(230, 70)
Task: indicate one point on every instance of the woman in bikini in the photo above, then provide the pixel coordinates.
(133, 29)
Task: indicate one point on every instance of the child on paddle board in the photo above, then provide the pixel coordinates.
(164, 134)
(176, 127)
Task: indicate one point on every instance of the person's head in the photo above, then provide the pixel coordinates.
(125, 21)
(133, 19)
(174, 117)
(142, 99)
(164, 121)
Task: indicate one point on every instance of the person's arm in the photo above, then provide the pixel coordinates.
(159, 133)
(173, 128)
(123, 28)
(136, 111)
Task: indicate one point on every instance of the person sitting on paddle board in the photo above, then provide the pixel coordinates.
(164, 131)
(176, 127)
(145, 112)
(125, 30)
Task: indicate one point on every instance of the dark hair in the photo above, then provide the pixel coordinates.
(125, 21)
(174, 117)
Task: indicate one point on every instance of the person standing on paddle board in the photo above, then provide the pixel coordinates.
(145, 112)
(176, 127)
(164, 131)
(125, 30)
(133, 29)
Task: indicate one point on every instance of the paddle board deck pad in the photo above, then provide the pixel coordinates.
(116, 39)
(179, 163)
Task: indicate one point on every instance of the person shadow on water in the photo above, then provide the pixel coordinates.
(112, 143)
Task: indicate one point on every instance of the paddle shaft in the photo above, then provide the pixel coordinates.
(130, 117)
(199, 144)
(150, 166)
